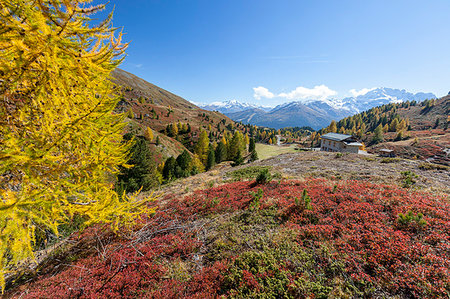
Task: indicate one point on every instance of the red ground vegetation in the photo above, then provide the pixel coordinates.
(370, 249)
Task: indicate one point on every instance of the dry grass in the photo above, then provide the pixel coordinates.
(266, 151)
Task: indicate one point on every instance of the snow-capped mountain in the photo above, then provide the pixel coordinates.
(231, 106)
(314, 113)
(382, 96)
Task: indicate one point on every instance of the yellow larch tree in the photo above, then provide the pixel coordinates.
(60, 142)
(149, 134)
(202, 146)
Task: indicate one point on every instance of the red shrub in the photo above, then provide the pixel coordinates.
(357, 218)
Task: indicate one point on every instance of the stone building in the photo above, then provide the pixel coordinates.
(334, 142)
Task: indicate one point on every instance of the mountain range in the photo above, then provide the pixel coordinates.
(313, 113)
(232, 106)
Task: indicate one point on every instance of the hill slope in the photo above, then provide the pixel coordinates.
(413, 130)
(136, 87)
(302, 237)
(156, 108)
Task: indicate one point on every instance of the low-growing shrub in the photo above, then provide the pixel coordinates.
(256, 198)
(408, 178)
(358, 240)
(432, 166)
(390, 160)
(408, 218)
(263, 177)
(247, 173)
(305, 202)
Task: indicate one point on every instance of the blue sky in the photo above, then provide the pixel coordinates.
(209, 51)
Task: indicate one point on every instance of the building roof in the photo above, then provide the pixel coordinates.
(355, 144)
(335, 136)
(385, 150)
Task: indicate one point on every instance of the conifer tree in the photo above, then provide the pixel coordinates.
(197, 165)
(252, 145)
(149, 134)
(436, 123)
(59, 138)
(173, 130)
(211, 161)
(221, 152)
(185, 128)
(394, 125)
(130, 113)
(332, 128)
(238, 159)
(202, 147)
(142, 172)
(237, 144)
(253, 156)
(169, 168)
(377, 135)
(224, 140)
(184, 163)
(247, 140)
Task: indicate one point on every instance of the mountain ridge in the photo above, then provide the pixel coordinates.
(314, 113)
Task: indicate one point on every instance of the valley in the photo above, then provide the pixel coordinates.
(114, 187)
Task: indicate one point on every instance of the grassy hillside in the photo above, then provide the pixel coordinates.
(428, 138)
(156, 108)
(296, 237)
(423, 118)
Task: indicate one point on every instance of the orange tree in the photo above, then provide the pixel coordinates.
(59, 138)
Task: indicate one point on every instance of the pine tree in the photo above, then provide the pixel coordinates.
(157, 141)
(142, 172)
(61, 143)
(238, 159)
(252, 145)
(184, 163)
(169, 168)
(436, 123)
(211, 161)
(221, 152)
(253, 156)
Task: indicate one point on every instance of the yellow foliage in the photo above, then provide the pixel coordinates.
(59, 140)
(196, 162)
(202, 146)
(149, 134)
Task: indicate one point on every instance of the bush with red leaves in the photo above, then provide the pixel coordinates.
(353, 225)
